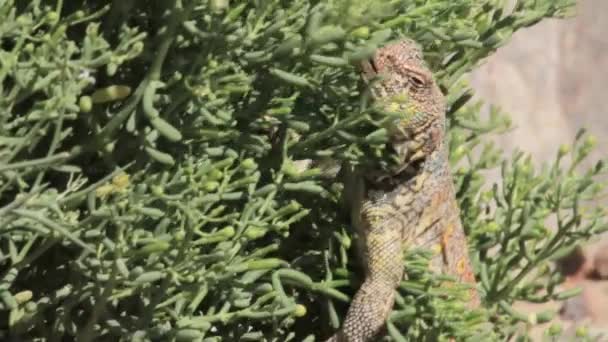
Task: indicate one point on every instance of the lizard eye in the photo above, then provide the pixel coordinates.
(372, 63)
(417, 81)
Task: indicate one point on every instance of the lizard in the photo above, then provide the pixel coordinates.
(413, 204)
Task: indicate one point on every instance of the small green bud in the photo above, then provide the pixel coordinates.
(52, 17)
(23, 296)
(563, 150)
(590, 142)
(554, 330)
(138, 47)
(459, 152)
(157, 190)
(227, 231)
(249, 164)
(211, 186)
(215, 175)
(346, 241)
(111, 69)
(85, 103)
(492, 227)
(254, 232)
(180, 235)
(360, 32)
(581, 332)
(300, 311)
(109, 147)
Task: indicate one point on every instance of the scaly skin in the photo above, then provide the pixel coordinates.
(412, 205)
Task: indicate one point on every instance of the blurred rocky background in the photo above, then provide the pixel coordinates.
(552, 79)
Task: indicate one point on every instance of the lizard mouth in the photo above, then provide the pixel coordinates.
(387, 180)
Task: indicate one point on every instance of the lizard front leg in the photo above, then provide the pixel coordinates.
(374, 300)
(380, 230)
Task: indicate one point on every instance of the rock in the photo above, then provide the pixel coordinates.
(600, 262)
(572, 266)
(575, 309)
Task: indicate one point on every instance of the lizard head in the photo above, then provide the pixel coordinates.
(400, 82)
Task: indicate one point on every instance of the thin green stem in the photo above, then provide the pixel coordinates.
(37, 163)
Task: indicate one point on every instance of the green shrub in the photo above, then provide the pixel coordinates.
(149, 188)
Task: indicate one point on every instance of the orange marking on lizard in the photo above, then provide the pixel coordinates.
(445, 239)
(461, 266)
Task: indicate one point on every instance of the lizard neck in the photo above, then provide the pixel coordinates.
(437, 161)
(423, 154)
(436, 164)
(415, 179)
